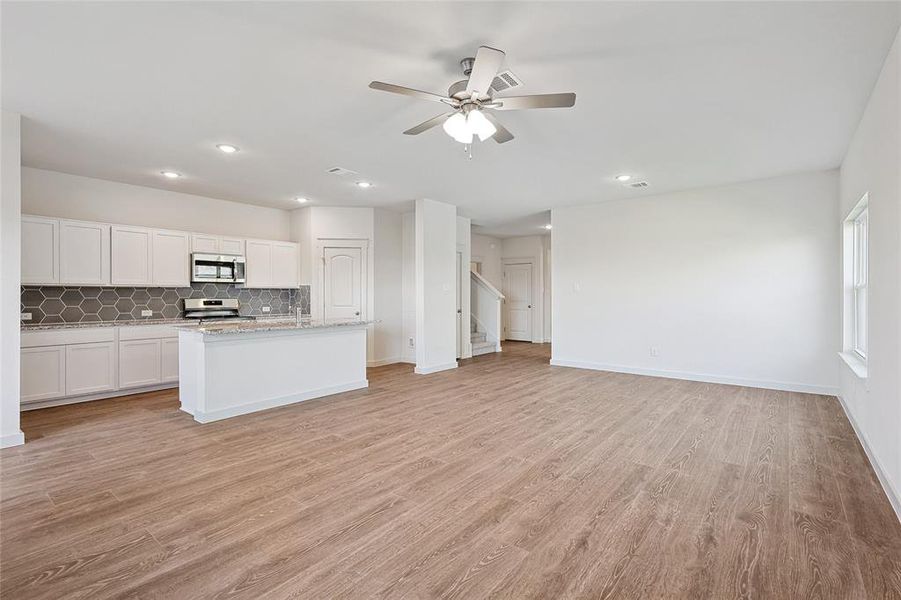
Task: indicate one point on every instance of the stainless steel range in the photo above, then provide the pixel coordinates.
(213, 309)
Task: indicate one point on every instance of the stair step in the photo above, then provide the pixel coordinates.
(483, 348)
(477, 337)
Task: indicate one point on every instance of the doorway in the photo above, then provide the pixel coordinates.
(344, 281)
(518, 303)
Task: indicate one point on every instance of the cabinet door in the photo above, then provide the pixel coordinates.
(231, 246)
(169, 368)
(259, 264)
(40, 250)
(84, 257)
(171, 259)
(204, 244)
(139, 363)
(43, 373)
(90, 368)
(132, 255)
(285, 264)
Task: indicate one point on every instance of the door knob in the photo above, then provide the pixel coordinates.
(459, 311)
(530, 306)
(357, 314)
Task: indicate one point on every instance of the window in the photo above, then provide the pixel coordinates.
(860, 238)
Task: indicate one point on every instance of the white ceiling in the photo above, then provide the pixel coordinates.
(681, 94)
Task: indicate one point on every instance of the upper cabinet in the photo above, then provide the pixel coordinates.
(40, 250)
(272, 264)
(171, 260)
(84, 257)
(132, 255)
(213, 244)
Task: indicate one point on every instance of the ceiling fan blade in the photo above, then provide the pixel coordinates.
(502, 134)
(536, 101)
(426, 125)
(405, 91)
(487, 64)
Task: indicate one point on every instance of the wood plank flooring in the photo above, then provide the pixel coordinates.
(504, 478)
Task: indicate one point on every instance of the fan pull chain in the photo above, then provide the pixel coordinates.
(467, 149)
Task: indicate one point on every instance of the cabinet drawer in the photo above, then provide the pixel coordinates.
(62, 337)
(147, 332)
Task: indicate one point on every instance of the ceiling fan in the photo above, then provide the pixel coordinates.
(470, 98)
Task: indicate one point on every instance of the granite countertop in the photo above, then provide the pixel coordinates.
(148, 321)
(268, 325)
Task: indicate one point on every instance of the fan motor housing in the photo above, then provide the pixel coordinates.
(458, 90)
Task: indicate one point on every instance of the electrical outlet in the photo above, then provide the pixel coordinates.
(411, 342)
(653, 350)
(146, 313)
(266, 309)
(25, 316)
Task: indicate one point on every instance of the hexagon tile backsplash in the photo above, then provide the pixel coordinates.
(51, 304)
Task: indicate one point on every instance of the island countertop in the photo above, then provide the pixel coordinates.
(224, 328)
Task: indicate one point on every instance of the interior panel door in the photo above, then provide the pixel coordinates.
(518, 304)
(343, 278)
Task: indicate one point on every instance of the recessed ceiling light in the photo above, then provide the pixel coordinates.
(227, 148)
(302, 200)
(548, 226)
(623, 177)
(170, 174)
(364, 184)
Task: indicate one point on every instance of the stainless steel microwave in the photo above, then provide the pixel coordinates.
(217, 268)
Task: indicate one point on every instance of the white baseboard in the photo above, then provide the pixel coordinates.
(91, 397)
(12, 439)
(894, 496)
(825, 390)
(218, 415)
(384, 361)
(434, 368)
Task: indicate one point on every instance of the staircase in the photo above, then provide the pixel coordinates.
(485, 316)
(480, 343)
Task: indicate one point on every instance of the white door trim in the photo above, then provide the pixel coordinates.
(537, 293)
(317, 292)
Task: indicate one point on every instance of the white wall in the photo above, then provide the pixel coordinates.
(487, 250)
(872, 165)
(532, 248)
(408, 341)
(54, 194)
(436, 288)
(388, 279)
(10, 271)
(733, 284)
(464, 249)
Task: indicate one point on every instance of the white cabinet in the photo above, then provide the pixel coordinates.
(139, 363)
(84, 256)
(231, 246)
(90, 368)
(43, 373)
(40, 250)
(213, 244)
(272, 264)
(204, 244)
(259, 264)
(169, 362)
(171, 259)
(285, 265)
(132, 256)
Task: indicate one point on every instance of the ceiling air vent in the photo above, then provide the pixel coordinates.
(341, 172)
(505, 80)
(638, 184)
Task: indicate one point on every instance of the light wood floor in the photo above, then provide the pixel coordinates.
(504, 478)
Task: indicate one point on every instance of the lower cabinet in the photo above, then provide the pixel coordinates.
(43, 373)
(169, 360)
(90, 368)
(139, 363)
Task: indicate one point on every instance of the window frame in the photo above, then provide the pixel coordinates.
(858, 223)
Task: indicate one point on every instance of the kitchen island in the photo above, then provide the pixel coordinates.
(231, 369)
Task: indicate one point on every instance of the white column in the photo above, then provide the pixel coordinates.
(436, 286)
(10, 277)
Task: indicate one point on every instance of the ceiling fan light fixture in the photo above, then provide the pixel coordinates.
(457, 127)
(480, 125)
